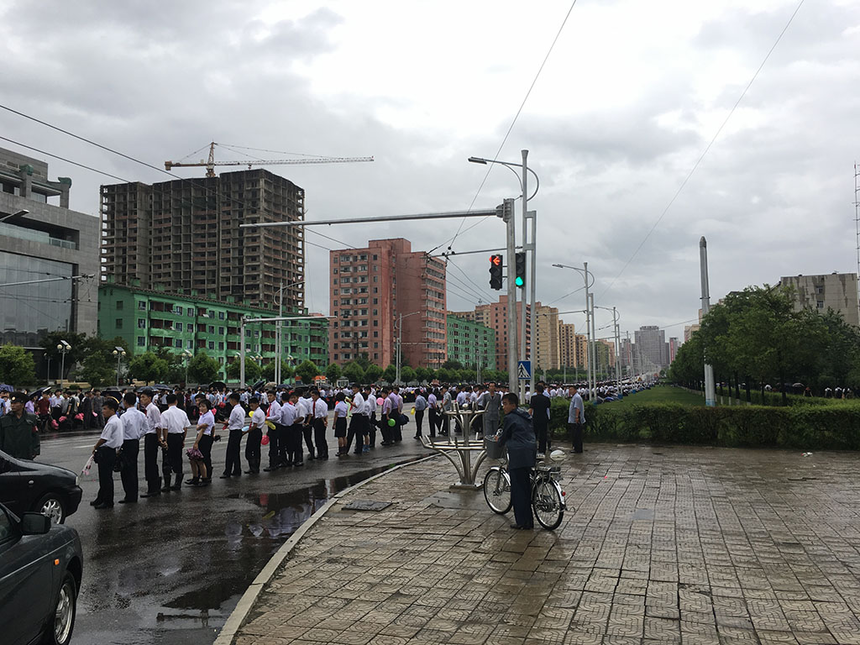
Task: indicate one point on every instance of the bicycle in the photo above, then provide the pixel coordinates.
(548, 499)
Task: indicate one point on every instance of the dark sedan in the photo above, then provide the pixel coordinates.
(40, 575)
(33, 486)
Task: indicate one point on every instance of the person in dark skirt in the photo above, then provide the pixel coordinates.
(255, 437)
(519, 437)
(341, 409)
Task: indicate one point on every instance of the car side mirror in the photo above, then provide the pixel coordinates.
(35, 524)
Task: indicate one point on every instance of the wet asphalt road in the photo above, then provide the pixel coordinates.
(169, 570)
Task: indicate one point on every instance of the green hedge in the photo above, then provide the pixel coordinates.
(807, 428)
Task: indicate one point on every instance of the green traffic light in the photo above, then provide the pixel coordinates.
(519, 281)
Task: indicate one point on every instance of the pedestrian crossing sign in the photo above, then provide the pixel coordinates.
(524, 370)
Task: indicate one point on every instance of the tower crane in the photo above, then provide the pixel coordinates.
(211, 163)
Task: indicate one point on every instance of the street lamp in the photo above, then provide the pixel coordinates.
(63, 347)
(188, 356)
(528, 246)
(119, 352)
(589, 321)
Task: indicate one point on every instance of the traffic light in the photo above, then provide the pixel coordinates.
(520, 263)
(496, 272)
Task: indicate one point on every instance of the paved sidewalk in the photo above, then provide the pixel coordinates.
(666, 545)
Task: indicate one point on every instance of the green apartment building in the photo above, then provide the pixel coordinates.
(470, 342)
(147, 320)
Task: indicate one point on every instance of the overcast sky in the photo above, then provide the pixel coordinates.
(627, 102)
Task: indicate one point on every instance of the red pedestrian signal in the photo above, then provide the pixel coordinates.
(496, 272)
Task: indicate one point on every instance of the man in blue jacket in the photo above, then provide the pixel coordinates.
(518, 436)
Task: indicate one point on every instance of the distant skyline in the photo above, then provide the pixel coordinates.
(627, 102)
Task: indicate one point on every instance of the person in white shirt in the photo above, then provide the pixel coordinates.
(151, 442)
(255, 437)
(104, 451)
(201, 464)
(319, 410)
(134, 427)
(174, 425)
(356, 425)
(420, 406)
(370, 402)
(293, 422)
(235, 423)
(341, 409)
(305, 408)
(275, 432)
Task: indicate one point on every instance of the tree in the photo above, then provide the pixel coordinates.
(307, 371)
(252, 370)
(423, 374)
(332, 372)
(373, 373)
(77, 353)
(16, 366)
(407, 374)
(98, 370)
(353, 372)
(390, 374)
(445, 375)
(148, 367)
(452, 365)
(268, 372)
(363, 361)
(203, 368)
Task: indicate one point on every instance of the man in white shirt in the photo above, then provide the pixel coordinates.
(319, 411)
(420, 406)
(174, 425)
(371, 405)
(133, 428)
(292, 420)
(105, 449)
(235, 423)
(357, 423)
(255, 436)
(151, 444)
(305, 408)
(276, 433)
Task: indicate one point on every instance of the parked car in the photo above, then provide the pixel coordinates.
(40, 575)
(43, 488)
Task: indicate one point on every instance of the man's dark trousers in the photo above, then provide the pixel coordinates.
(372, 429)
(252, 449)
(576, 436)
(106, 458)
(232, 462)
(419, 419)
(521, 496)
(276, 435)
(175, 441)
(150, 463)
(319, 438)
(355, 431)
(308, 432)
(128, 474)
(541, 431)
(295, 453)
(434, 420)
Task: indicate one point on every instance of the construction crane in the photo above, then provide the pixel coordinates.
(211, 163)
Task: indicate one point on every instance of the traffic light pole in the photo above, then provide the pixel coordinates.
(524, 303)
(511, 234)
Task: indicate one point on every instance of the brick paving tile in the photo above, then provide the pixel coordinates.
(669, 545)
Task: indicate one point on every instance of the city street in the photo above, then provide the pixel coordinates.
(171, 569)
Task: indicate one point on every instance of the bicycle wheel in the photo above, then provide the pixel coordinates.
(546, 503)
(497, 490)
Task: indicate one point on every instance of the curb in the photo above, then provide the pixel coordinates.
(246, 602)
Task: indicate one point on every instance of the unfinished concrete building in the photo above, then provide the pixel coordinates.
(183, 237)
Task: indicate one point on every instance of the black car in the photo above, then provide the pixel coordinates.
(40, 575)
(33, 486)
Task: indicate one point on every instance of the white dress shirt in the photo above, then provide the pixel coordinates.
(237, 418)
(175, 420)
(112, 433)
(134, 424)
(153, 419)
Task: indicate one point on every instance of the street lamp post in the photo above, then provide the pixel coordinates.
(589, 316)
(188, 356)
(63, 347)
(119, 352)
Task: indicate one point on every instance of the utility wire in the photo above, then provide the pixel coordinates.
(707, 148)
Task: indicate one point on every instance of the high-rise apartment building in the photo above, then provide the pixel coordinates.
(567, 344)
(836, 291)
(547, 344)
(651, 349)
(495, 316)
(581, 351)
(42, 240)
(470, 343)
(673, 349)
(185, 235)
(372, 290)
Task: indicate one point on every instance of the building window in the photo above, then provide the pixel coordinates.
(221, 315)
(189, 344)
(211, 329)
(141, 305)
(177, 326)
(221, 346)
(120, 305)
(211, 344)
(141, 324)
(177, 343)
(141, 342)
(190, 311)
(819, 304)
(819, 289)
(221, 331)
(119, 323)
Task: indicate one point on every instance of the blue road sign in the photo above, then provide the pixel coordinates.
(524, 370)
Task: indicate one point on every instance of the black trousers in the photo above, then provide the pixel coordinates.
(356, 431)
(276, 435)
(446, 424)
(521, 494)
(541, 432)
(252, 449)
(371, 429)
(293, 443)
(128, 474)
(575, 430)
(205, 446)
(419, 419)
(434, 421)
(106, 458)
(319, 438)
(174, 456)
(398, 427)
(150, 462)
(233, 462)
(308, 432)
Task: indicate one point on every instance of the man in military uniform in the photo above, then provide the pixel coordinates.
(19, 432)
